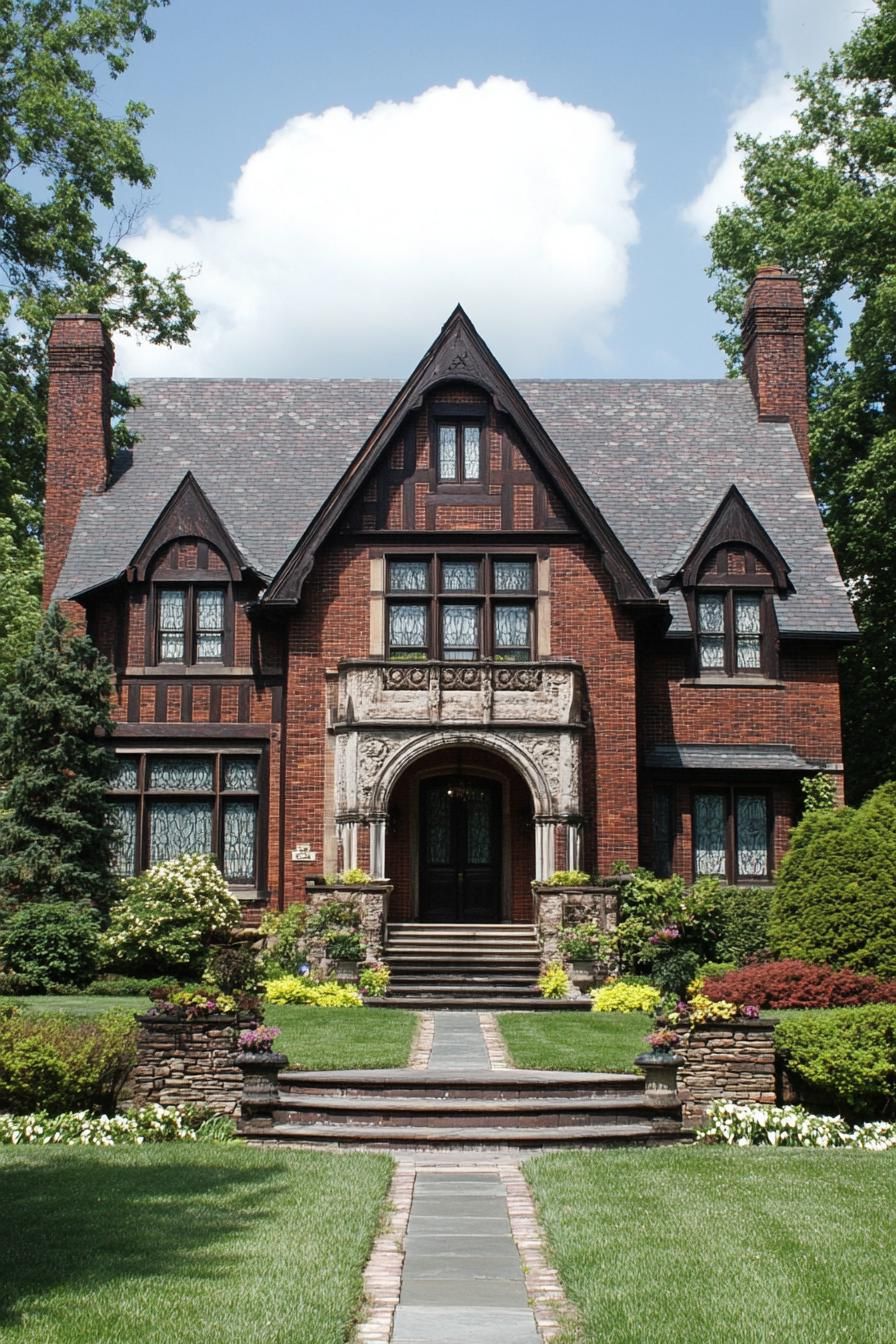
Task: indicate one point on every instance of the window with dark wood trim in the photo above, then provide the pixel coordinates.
(461, 608)
(167, 802)
(193, 621)
(733, 616)
(458, 450)
(732, 834)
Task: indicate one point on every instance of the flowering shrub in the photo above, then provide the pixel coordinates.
(581, 942)
(553, 983)
(663, 1039)
(206, 1001)
(669, 933)
(568, 877)
(618, 997)
(169, 915)
(149, 1124)
(790, 1127)
(302, 989)
(55, 1063)
(373, 981)
(797, 984)
(701, 1009)
(259, 1041)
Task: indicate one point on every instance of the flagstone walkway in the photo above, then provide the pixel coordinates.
(448, 1269)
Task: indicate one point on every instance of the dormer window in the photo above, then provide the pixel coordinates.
(734, 618)
(190, 624)
(459, 451)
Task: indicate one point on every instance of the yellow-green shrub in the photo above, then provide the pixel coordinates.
(299, 989)
(553, 981)
(618, 997)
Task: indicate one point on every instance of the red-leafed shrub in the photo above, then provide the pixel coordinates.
(796, 984)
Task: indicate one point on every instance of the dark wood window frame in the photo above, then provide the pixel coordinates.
(487, 599)
(144, 795)
(730, 793)
(459, 416)
(753, 582)
(191, 582)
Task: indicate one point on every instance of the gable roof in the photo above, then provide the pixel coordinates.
(654, 457)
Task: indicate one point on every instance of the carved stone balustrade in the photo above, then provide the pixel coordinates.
(372, 691)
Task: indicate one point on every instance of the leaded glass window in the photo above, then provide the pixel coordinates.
(209, 624)
(479, 831)
(447, 452)
(513, 576)
(471, 453)
(752, 835)
(438, 827)
(172, 625)
(409, 576)
(179, 828)
(460, 576)
(747, 631)
(183, 774)
(126, 773)
(124, 845)
(241, 774)
(512, 632)
(711, 630)
(407, 630)
(709, 835)
(238, 850)
(460, 631)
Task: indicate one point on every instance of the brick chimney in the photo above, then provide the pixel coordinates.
(78, 430)
(773, 335)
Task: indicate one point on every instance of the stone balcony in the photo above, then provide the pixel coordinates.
(376, 692)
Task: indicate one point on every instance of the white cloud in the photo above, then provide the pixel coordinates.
(799, 35)
(350, 238)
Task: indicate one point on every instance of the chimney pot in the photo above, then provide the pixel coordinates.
(773, 336)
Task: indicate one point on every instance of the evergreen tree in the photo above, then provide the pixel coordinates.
(55, 831)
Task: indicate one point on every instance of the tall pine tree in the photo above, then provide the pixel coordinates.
(56, 836)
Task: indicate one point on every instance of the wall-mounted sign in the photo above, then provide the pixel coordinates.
(304, 854)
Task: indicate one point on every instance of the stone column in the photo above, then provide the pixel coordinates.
(377, 826)
(545, 828)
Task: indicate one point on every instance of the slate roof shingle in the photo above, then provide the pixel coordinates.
(656, 457)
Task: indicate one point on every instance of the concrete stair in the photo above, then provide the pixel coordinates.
(404, 1108)
(491, 966)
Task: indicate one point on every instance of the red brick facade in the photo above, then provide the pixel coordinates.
(280, 689)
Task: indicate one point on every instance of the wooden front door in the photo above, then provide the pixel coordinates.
(460, 851)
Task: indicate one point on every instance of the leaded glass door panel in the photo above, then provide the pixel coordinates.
(460, 851)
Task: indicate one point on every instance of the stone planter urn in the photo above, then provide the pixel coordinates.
(581, 973)
(346, 972)
(660, 1073)
(260, 1087)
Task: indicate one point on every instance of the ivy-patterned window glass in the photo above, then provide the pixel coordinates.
(460, 576)
(711, 629)
(478, 817)
(409, 576)
(239, 841)
(407, 630)
(471, 453)
(179, 828)
(752, 835)
(210, 624)
(241, 774)
(124, 846)
(181, 774)
(513, 576)
(438, 826)
(172, 611)
(512, 633)
(709, 834)
(447, 452)
(746, 631)
(460, 632)
(126, 775)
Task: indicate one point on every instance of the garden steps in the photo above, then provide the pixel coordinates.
(487, 1138)
(462, 966)
(485, 1001)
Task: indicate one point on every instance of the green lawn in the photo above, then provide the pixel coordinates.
(177, 1243)
(80, 1005)
(745, 1246)
(343, 1038)
(595, 1042)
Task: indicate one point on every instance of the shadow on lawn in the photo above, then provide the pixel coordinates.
(75, 1222)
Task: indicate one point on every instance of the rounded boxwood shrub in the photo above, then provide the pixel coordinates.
(844, 1059)
(835, 899)
(52, 943)
(797, 984)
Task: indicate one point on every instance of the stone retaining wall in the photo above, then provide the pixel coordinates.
(372, 903)
(730, 1060)
(189, 1062)
(557, 908)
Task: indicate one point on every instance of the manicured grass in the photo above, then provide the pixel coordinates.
(595, 1042)
(343, 1038)
(80, 1005)
(746, 1246)
(179, 1242)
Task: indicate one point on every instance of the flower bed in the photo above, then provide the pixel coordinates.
(149, 1124)
(790, 1127)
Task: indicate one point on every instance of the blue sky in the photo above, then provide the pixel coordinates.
(552, 168)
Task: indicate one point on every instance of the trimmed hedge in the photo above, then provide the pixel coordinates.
(844, 1059)
(56, 942)
(744, 921)
(54, 1063)
(835, 899)
(796, 984)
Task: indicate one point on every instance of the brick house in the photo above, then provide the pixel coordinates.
(459, 631)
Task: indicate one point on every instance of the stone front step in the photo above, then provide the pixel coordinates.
(476, 1085)
(485, 1001)
(463, 987)
(544, 1112)
(485, 1138)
